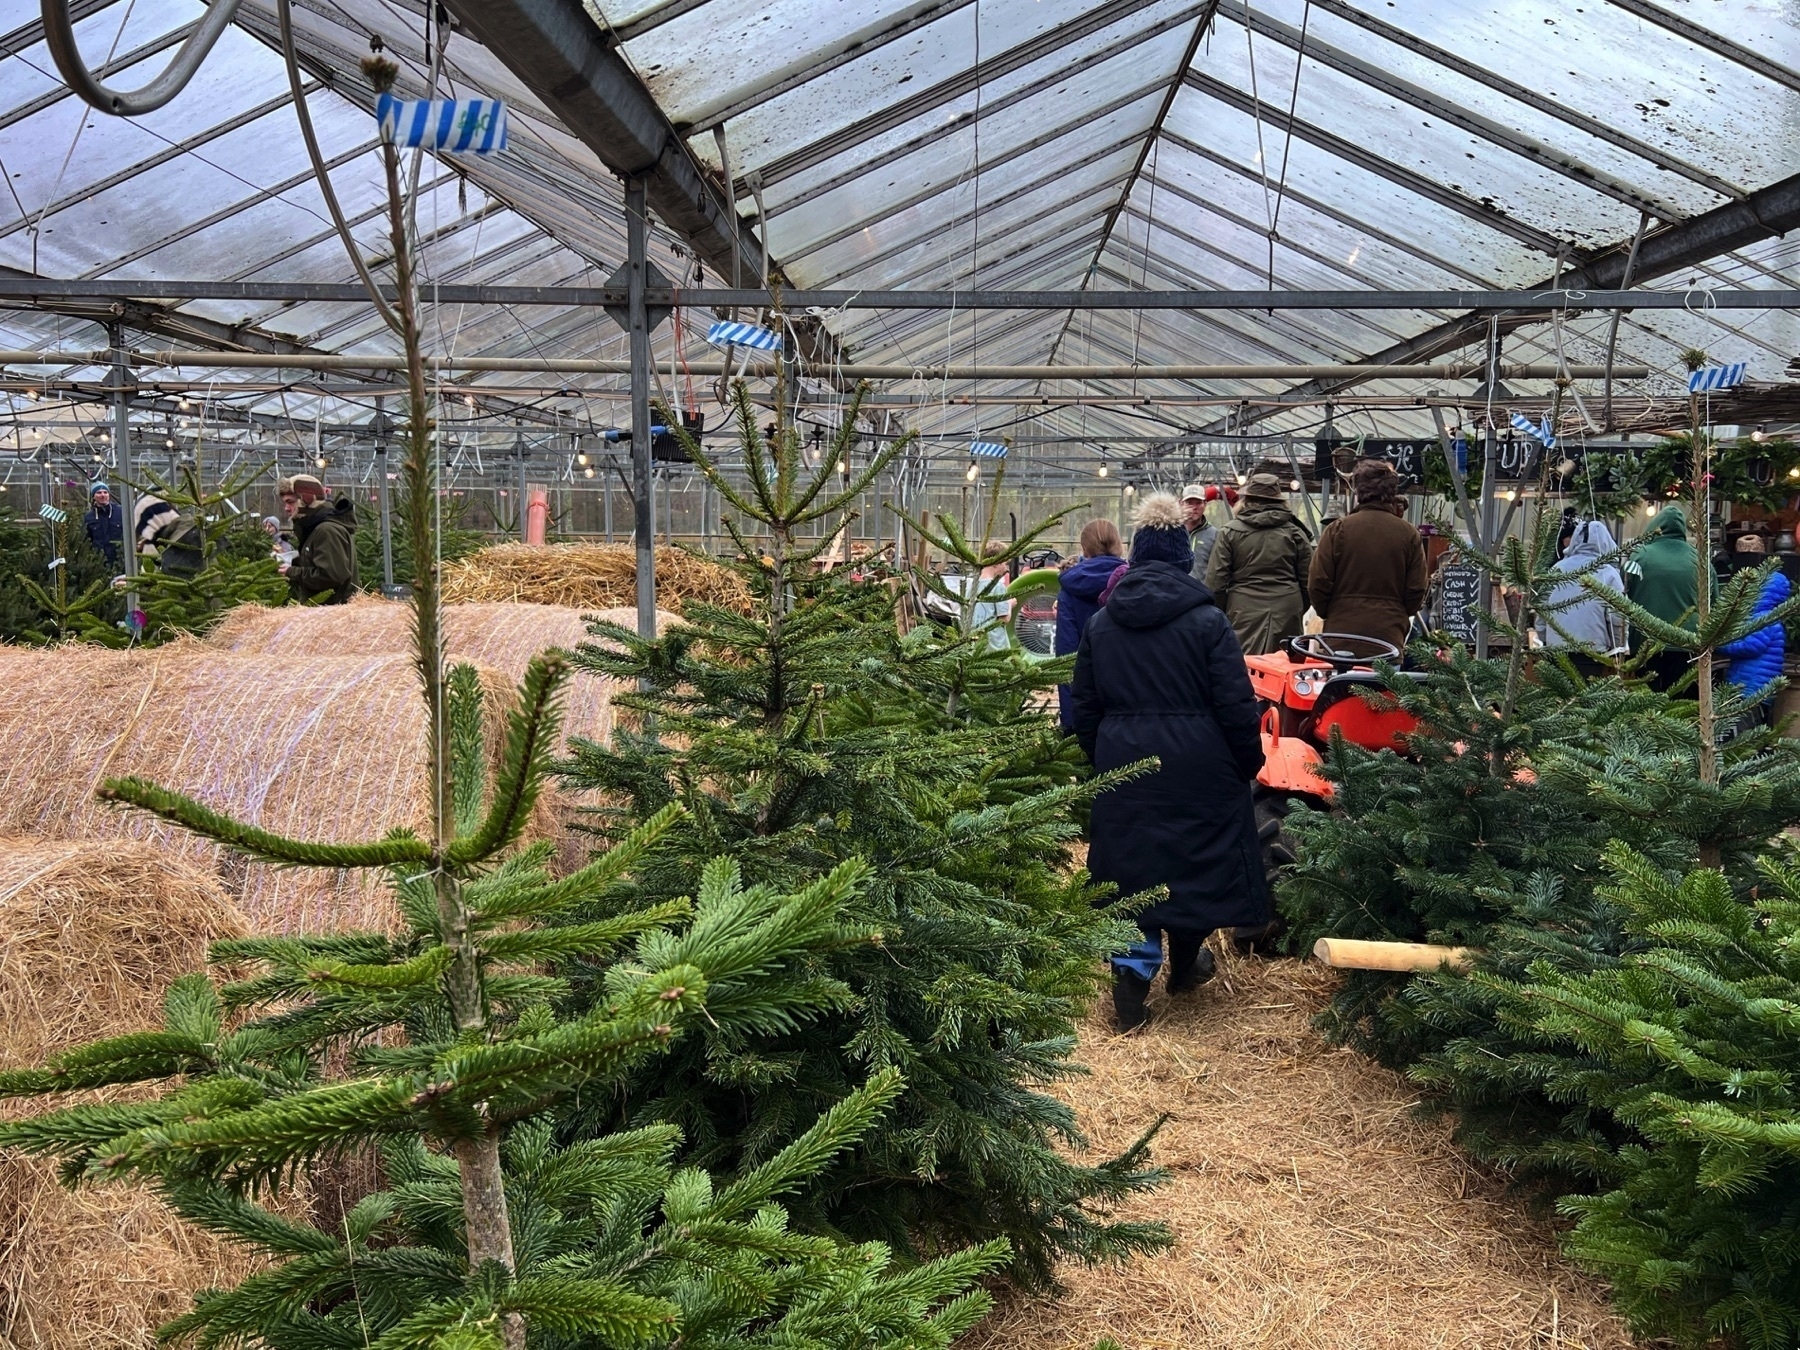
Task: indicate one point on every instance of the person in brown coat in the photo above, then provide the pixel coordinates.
(1258, 569)
(1368, 572)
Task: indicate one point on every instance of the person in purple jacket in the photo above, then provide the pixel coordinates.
(1102, 554)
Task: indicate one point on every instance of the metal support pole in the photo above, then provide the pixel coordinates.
(519, 489)
(122, 441)
(1489, 529)
(386, 499)
(606, 505)
(637, 231)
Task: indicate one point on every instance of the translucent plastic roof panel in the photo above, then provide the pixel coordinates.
(1083, 75)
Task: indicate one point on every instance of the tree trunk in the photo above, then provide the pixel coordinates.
(488, 1227)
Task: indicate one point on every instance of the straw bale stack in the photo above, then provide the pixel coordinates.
(589, 577)
(502, 637)
(319, 747)
(89, 941)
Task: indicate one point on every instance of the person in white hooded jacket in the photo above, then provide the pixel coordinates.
(1577, 620)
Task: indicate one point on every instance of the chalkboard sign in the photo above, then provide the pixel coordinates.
(1459, 601)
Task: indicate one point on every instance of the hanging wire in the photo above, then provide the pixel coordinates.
(1288, 143)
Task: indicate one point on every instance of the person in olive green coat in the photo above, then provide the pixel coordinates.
(324, 571)
(1257, 572)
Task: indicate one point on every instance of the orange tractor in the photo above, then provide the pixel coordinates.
(1310, 690)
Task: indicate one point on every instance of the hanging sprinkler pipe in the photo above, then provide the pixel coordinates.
(59, 36)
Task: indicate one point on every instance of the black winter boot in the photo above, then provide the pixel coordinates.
(1190, 963)
(1129, 992)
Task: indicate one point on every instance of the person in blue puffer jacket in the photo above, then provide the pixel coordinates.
(1757, 658)
(1078, 597)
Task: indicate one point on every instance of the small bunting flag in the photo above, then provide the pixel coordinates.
(472, 125)
(1716, 379)
(728, 334)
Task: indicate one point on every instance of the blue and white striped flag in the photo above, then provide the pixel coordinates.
(1714, 379)
(1540, 433)
(477, 125)
(727, 334)
(54, 514)
(988, 449)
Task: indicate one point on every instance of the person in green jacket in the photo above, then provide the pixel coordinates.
(324, 570)
(1257, 572)
(1660, 576)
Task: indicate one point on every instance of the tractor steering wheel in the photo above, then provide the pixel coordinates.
(1341, 651)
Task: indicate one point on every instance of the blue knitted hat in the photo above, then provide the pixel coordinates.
(1161, 533)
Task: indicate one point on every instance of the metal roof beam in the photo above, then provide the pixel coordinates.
(1364, 158)
(1555, 159)
(560, 54)
(1572, 296)
(946, 91)
(1531, 98)
(1718, 45)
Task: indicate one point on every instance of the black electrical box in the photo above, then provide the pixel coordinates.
(667, 448)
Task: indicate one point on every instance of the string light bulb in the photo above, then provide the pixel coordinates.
(973, 473)
(1102, 471)
(843, 467)
(1242, 480)
(582, 460)
(1130, 490)
(587, 473)
(1293, 485)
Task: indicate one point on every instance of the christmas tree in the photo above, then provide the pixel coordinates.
(221, 558)
(76, 598)
(449, 1047)
(1689, 1047)
(810, 732)
(1488, 834)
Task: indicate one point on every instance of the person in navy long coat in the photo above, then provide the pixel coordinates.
(1160, 674)
(1078, 596)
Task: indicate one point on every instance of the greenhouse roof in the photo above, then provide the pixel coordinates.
(939, 144)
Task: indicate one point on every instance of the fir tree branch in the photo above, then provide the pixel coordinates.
(400, 846)
(531, 736)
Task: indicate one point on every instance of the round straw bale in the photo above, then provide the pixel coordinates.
(589, 577)
(319, 747)
(502, 637)
(90, 939)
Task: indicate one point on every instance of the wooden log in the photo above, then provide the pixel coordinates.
(1356, 954)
